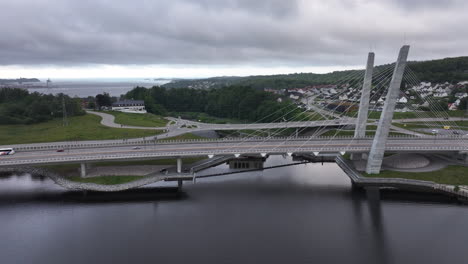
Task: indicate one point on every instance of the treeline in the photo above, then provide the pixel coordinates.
(239, 102)
(450, 70)
(444, 70)
(18, 106)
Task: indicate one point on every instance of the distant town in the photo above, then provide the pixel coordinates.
(413, 98)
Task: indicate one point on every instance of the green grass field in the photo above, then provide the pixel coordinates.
(440, 125)
(106, 180)
(73, 169)
(205, 118)
(183, 137)
(370, 132)
(144, 120)
(407, 115)
(86, 127)
(455, 175)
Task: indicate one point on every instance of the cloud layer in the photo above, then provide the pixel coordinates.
(227, 32)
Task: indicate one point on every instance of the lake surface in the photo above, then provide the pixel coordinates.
(84, 88)
(299, 214)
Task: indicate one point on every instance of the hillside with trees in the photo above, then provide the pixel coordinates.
(18, 106)
(444, 70)
(237, 102)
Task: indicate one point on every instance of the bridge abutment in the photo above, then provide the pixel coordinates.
(361, 122)
(374, 161)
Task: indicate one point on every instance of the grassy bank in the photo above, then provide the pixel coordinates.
(64, 169)
(106, 180)
(454, 175)
(144, 120)
(86, 127)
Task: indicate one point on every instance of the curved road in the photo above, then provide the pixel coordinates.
(179, 126)
(109, 121)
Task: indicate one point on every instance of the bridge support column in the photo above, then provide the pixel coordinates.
(179, 185)
(83, 170)
(297, 132)
(374, 161)
(179, 165)
(361, 123)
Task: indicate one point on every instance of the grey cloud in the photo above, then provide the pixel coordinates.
(261, 32)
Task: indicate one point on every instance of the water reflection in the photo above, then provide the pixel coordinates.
(302, 214)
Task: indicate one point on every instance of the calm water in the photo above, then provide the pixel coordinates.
(301, 214)
(84, 88)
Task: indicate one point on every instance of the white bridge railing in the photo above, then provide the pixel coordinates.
(78, 145)
(230, 151)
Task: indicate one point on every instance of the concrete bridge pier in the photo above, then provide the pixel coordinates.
(179, 165)
(179, 185)
(83, 170)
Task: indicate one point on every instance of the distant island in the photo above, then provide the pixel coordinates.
(20, 80)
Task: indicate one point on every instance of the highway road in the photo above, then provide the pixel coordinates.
(119, 152)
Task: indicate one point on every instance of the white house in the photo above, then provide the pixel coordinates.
(294, 97)
(130, 106)
(402, 100)
(442, 94)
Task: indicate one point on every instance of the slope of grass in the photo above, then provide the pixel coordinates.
(106, 180)
(183, 137)
(86, 127)
(454, 174)
(370, 131)
(205, 118)
(144, 120)
(73, 169)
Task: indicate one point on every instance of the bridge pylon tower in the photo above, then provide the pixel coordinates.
(361, 123)
(374, 161)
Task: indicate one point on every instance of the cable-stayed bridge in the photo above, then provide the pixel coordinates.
(372, 86)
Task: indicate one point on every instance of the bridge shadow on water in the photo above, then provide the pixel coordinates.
(141, 195)
(238, 188)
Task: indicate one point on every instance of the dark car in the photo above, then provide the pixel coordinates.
(60, 150)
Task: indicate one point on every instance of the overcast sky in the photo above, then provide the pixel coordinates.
(200, 38)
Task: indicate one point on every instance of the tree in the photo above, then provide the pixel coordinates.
(103, 100)
(463, 104)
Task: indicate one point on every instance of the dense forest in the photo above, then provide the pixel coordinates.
(18, 106)
(239, 102)
(440, 71)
